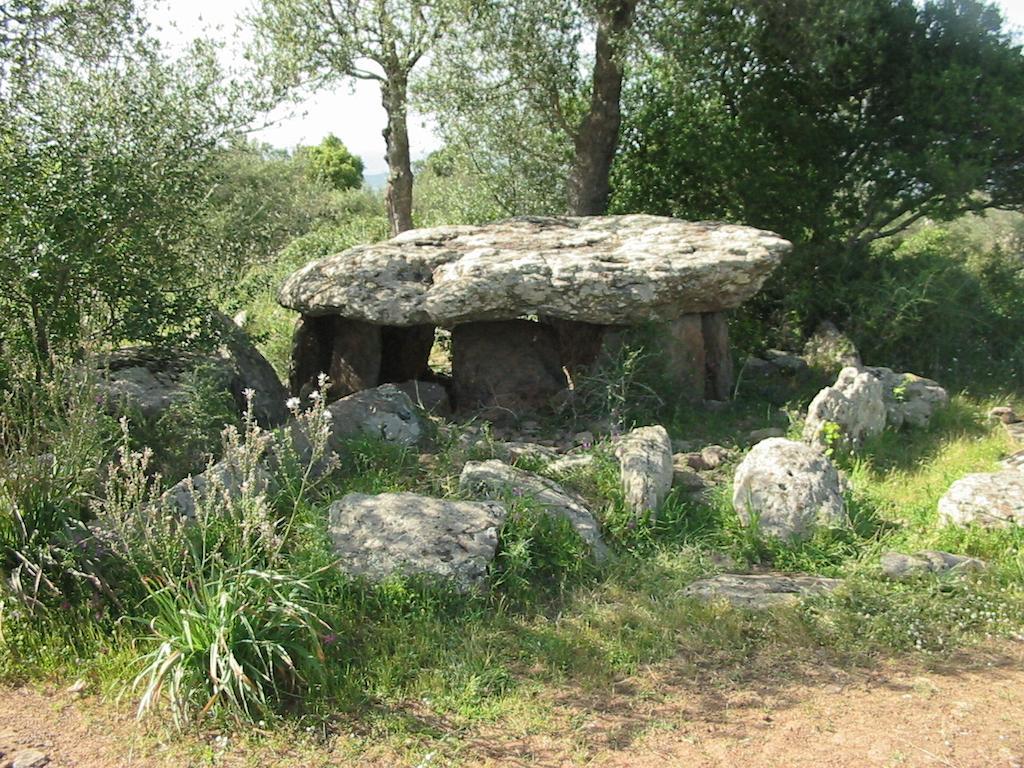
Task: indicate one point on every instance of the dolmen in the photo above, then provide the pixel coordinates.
(528, 302)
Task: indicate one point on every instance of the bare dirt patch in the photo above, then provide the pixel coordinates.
(963, 712)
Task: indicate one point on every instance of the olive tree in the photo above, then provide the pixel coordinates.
(314, 43)
(531, 88)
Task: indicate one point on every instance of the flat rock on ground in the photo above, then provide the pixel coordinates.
(407, 534)
(495, 480)
(758, 591)
(991, 500)
(609, 270)
(899, 566)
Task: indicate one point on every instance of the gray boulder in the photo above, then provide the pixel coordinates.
(900, 567)
(495, 480)
(854, 403)
(608, 270)
(384, 412)
(148, 380)
(645, 463)
(831, 350)
(759, 591)
(789, 488)
(404, 534)
(910, 400)
(991, 500)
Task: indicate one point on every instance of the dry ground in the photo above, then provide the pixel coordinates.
(964, 712)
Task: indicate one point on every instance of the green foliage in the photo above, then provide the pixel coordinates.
(331, 162)
(819, 119)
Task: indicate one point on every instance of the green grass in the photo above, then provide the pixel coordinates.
(413, 664)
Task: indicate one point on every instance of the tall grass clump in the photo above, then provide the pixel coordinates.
(226, 598)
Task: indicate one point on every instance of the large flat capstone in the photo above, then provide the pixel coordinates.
(607, 270)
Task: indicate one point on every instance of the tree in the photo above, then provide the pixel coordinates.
(830, 121)
(331, 162)
(514, 90)
(317, 42)
(104, 164)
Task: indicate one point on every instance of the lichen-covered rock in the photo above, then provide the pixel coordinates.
(403, 534)
(789, 489)
(384, 412)
(149, 381)
(759, 591)
(900, 567)
(991, 500)
(495, 479)
(910, 400)
(854, 405)
(606, 270)
(645, 462)
(829, 349)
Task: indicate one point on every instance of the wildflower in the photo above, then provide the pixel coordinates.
(329, 639)
(292, 403)
(249, 393)
(314, 395)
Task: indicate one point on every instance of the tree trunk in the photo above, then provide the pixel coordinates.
(598, 135)
(398, 194)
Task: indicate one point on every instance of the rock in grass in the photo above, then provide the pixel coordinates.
(900, 567)
(853, 406)
(645, 461)
(685, 479)
(910, 400)
(405, 534)
(990, 500)
(1016, 431)
(1004, 414)
(384, 412)
(830, 349)
(788, 489)
(495, 479)
(575, 462)
(759, 591)
(758, 435)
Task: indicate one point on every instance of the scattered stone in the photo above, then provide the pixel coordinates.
(1005, 414)
(384, 412)
(693, 460)
(759, 591)
(398, 534)
(573, 463)
(991, 500)
(77, 687)
(1015, 431)
(788, 489)
(787, 362)
(148, 381)
(645, 461)
(763, 434)
(714, 456)
(1014, 461)
(910, 400)
(30, 758)
(584, 439)
(495, 479)
(514, 450)
(900, 567)
(428, 395)
(685, 479)
(830, 350)
(854, 405)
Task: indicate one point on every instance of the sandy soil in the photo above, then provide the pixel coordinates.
(965, 712)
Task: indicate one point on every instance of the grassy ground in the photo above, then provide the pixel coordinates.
(411, 666)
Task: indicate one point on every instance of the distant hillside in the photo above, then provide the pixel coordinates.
(375, 180)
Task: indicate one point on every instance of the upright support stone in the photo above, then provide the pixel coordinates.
(355, 357)
(405, 352)
(311, 352)
(509, 364)
(717, 356)
(685, 356)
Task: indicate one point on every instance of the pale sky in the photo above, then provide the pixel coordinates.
(351, 112)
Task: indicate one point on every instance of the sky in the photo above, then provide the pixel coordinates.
(351, 112)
